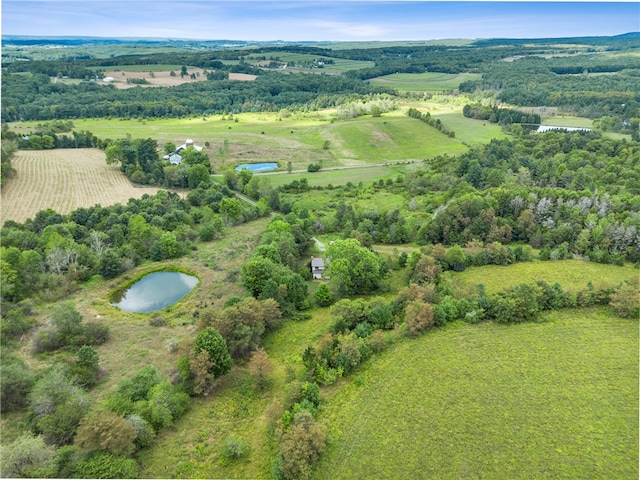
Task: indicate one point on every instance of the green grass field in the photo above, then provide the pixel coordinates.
(573, 275)
(389, 138)
(341, 177)
(470, 131)
(424, 82)
(339, 65)
(298, 138)
(540, 400)
(567, 121)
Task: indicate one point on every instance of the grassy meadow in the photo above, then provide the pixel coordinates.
(424, 82)
(325, 178)
(573, 275)
(484, 400)
(557, 399)
(299, 138)
(567, 121)
(470, 131)
(339, 65)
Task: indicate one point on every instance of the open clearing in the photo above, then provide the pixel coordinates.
(573, 275)
(540, 400)
(155, 77)
(64, 179)
(424, 82)
(306, 63)
(298, 138)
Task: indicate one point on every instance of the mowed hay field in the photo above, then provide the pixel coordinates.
(63, 179)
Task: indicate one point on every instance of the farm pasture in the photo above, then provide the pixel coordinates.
(573, 275)
(285, 137)
(304, 61)
(64, 180)
(155, 77)
(557, 399)
(470, 131)
(424, 82)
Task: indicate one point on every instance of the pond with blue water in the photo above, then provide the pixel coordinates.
(258, 167)
(154, 292)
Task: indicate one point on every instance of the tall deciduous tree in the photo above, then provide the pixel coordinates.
(106, 431)
(210, 341)
(355, 269)
(302, 446)
(418, 316)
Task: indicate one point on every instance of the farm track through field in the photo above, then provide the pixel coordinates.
(64, 179)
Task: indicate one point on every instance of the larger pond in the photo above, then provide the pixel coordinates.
(258, 167)
(154, 292)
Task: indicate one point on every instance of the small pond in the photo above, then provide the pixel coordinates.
(258, 167)
(154, 292)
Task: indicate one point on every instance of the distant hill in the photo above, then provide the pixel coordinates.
(25, 40)
(631, 39)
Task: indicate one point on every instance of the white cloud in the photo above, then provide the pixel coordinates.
(349, 29)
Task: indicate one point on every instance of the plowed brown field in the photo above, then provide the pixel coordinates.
(64, 179)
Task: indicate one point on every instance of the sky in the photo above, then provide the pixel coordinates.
(312, 20)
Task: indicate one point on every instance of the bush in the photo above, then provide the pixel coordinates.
(301, 447)
(28, 457)
(323, 295)
(260, 368)
(377, 342)
(15, 323)
(625, 300)
(144, 433)
(106, 431)
(56, 406)
(106, 465)
(165, 404)
(418, 317)
(46, 339)
(234, 448)
(211, 341)
(66, 460)
(94, 333)
(136, 387)
(17, 380)
(86, 369)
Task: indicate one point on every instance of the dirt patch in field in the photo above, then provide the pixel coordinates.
(159, 79)
(64, 179)
(380, 137)
(243, 77)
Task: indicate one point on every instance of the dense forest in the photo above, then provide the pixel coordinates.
(522, 198)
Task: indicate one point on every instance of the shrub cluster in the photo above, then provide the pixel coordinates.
(65, 328)
(302, 439)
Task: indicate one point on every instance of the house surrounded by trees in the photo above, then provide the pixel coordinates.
(317, 268)
(175, 158)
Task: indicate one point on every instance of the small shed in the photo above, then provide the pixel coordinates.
(317, 268)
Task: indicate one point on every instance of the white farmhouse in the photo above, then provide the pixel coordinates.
(175, 158)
